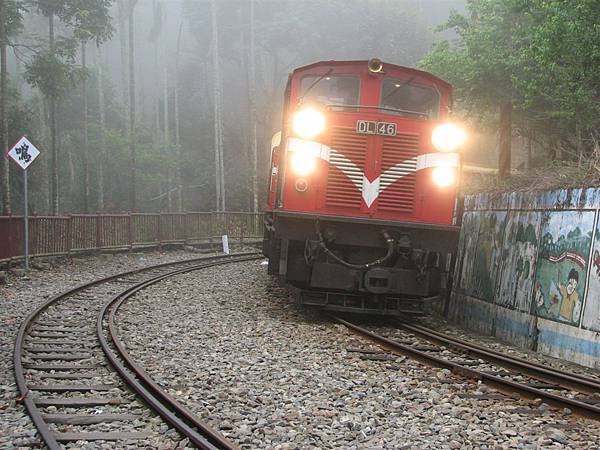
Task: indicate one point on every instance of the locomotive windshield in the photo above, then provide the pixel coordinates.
(405, 98)
(332, 90)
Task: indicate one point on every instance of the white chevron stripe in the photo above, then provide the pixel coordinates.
(347, 166)
(371, 189)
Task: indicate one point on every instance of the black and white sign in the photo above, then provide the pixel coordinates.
(23, 153)
(372, 127)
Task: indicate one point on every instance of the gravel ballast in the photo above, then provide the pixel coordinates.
(21, 294)
(236, 350)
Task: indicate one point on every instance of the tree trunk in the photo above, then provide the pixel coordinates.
(167, 134)
(69, 198)
(102, 149)
(178, 177)
(157, 134)
(218, 125)
(122, 9)
(5, 172)
(579, 142)
(528, 160)
(86, 164)
(47, 174)
(252, 96)
(52, 112)
(132, 155)
(505, 140)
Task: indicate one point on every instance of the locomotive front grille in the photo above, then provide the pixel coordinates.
(346, 168)
(398, 180)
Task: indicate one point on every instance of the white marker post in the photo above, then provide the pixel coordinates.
(225, 241)
(24, 153)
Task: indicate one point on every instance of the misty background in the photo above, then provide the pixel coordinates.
(174, 81)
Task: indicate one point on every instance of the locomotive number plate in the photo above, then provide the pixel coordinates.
(371, 127)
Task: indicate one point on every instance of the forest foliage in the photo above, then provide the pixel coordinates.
(539, 58)
(173, 83)
(525, 67)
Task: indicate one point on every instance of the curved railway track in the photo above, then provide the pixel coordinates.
(68, 347)
(504, 372)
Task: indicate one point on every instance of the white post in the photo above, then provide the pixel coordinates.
(225, 240)
(26, 219)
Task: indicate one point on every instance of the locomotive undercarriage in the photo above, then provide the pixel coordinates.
(361, 265)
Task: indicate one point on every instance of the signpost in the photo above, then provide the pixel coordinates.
(24, 153)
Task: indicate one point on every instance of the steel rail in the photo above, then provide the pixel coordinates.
(33, 411)
(502, 384)
(163, 403)
(575, 381)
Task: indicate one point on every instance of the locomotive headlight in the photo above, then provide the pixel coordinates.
(308, 122)
(444, 176)
(303, 163)
(448, 137)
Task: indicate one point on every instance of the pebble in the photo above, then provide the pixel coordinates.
(239, 353)
(20, 295)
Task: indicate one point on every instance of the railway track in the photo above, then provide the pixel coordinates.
(68, 354)
(506, 373)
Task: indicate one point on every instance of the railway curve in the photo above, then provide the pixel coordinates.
(73, 332)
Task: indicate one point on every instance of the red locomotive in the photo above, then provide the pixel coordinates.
(362, 203)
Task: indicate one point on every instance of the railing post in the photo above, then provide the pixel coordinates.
(130, 230)
(98, 232)
(243, 219)
(185, 228)
(10, 242)
(159, 232)
(69, 234)
(211, 229)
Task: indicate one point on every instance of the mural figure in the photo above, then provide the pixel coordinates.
(596, 262)
(517, 265)
(591, 314)
(570, 297)
(562, 264)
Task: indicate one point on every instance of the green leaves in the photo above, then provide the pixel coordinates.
(54, 69)
(541, 55)
(54, 72)
(89, 19)
(11, 13)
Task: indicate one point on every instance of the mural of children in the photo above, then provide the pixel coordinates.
(570, 297)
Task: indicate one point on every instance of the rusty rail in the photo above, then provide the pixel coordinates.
(64, 235)
(510, 382)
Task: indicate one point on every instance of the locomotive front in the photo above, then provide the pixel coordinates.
(362, 211)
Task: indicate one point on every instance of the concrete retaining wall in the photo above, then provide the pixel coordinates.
(528, 271)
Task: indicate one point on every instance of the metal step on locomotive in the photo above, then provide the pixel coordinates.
(362, 212)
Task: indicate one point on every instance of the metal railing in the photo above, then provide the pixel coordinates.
(64, 235)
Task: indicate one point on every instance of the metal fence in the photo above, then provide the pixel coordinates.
(63, 235)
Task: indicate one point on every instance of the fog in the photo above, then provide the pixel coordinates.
(174, 53)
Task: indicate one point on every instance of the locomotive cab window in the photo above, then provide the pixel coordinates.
(405, 98)
(337, 92)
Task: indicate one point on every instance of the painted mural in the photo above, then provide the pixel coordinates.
(591, 316)
(565, 240)
(467, 246)
(518, 261)
(485, 258)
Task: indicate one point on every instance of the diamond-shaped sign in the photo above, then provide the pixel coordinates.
(23, 153)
